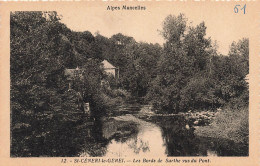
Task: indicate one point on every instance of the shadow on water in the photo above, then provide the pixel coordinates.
(181, 141)
(57, 138)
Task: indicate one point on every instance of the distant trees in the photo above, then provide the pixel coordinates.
(137, 62)
(141, 68)
(234, 86)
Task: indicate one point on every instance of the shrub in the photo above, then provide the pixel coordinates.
(229, 124)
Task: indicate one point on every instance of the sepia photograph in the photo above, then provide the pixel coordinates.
(112, 84)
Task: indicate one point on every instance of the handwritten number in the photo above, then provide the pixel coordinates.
(236, 8)
(244, 9)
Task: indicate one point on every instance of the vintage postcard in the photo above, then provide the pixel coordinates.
(129, 83)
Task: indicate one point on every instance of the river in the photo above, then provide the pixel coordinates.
(129, 136)
(124, 135)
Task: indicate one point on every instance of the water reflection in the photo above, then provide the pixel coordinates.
(128, 136)
(147, 141)
(179, 140)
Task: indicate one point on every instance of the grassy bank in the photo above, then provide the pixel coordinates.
(228, 124)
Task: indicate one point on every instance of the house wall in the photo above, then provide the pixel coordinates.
(111, 71)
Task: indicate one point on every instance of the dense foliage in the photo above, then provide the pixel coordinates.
(186, 73)
(41, 101)
(190, 73)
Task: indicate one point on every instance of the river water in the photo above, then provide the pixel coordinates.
(127, 134)
(147, 141)
(130, 136)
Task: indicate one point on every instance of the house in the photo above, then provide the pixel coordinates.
(72, 74)
(110, 69)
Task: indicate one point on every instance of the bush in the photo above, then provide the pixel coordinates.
(229, 124)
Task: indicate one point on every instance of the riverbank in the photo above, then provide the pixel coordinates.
(200, 118)
(229, 124)
(192, 118)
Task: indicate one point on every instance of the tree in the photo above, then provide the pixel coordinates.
(36, 70)
(185, 53)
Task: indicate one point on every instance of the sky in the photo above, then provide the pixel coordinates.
(223, 25)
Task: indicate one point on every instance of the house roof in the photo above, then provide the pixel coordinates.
(108, 65)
